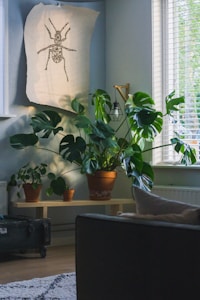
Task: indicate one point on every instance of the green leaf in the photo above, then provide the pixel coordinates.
(77, 107)
(142, 99)
(49, 191)
(101, 130)
(145, 123)
(188, 153)
(46, 122)
(58, 186)
(110, 144)
(145, 178)
(102, 105)
(51, 176)
(146, 117)
(42, 168)
(90, 165)
(72, 148)
(21, 141)
(141, 172)
(172, 103)
(83, 122)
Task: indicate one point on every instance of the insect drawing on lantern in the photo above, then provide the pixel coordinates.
(55, 50)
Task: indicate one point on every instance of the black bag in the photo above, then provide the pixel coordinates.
(20, 233)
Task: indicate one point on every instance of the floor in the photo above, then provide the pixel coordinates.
(16, 267)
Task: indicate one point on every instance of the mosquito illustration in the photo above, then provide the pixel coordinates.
(56, 49)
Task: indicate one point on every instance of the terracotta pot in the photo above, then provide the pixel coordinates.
(100, 184)
(31, 194)
(68, 195)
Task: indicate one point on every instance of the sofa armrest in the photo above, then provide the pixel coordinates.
(122, 259)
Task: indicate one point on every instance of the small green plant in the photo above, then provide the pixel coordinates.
(28, 174)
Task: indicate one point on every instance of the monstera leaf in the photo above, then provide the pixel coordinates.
(145, 123)
(58, 186)
(21, 141)
(141, 172)
(72, 148)
(173, 103)
(101, 132)
(90, 164)
(77, 107)
(46, 122)
(142, 99)
(188, 153)
(102, 105)
(144, 120)
(82, 122)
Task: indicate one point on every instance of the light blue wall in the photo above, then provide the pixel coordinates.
(128, 44)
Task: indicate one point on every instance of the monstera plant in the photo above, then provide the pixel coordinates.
(96, 145)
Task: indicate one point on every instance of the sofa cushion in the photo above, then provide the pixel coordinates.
(149, 203)
(188, 216)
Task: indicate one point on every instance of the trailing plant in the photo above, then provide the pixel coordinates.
(99, 146)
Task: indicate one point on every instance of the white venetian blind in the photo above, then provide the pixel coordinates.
(180, 36)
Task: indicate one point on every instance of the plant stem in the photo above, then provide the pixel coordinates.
(46, 149)
(70, 171)
(120, 125)
(161, 146)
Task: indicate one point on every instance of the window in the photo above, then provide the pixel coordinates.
(176, 66)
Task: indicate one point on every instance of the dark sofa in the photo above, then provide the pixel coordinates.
(135, 259)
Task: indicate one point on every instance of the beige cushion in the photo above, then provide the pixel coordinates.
(188, 216)
(148, 203)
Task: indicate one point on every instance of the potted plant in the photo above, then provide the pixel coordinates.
(30, 178)
(68, 194)
(59, 187)
(99, 147)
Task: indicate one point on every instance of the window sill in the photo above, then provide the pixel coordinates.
(7, 116)
(176, 166)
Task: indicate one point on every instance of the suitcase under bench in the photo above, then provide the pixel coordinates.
(20, 233)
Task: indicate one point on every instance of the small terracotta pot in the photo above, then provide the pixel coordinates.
(101, 184)
(31, 194)
(68, 195)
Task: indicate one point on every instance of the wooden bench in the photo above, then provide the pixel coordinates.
(42, 206)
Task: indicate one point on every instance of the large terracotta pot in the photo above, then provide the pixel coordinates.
(100, 184)
(31, 194)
